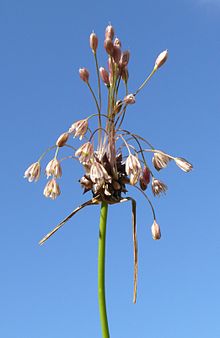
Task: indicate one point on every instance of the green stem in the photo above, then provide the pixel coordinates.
(101, 270)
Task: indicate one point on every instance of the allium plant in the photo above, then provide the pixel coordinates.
(112, 158)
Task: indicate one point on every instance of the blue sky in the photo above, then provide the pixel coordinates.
(50, 291)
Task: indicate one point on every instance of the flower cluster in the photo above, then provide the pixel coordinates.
(112, 158)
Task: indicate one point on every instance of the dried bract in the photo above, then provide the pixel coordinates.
(33, 172)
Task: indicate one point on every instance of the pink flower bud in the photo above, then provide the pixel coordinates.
(125, 58)
(93, 40)
(161, 59)
(109, 32)
(84, 74)
(155, 231)
(116, 54)
(62, 139)
(117, 43)
(104, 75)
(129, 99)
(109, 47)
(146, 174)
(124, 74)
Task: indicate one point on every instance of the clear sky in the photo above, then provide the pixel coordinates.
(51, 291)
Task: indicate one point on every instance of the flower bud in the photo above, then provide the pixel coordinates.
(109, 47)
(124, 74)
(109, 32)
(129, 99)
(161, 59)
(104, 75)
(117, 42)
(53, 168)
(124, 59)
(158, 187)
(118, 106)
(84, 74)
(142, 182)
(116, 54)
(93, 40)
(146, 174)
(79, 128)
(160, 161)
(183, 164)
(33, 172)
(155, 231)
(62, 139)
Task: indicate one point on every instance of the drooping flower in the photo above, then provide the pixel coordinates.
(52, 189)
(33, 172)
(129, 99)
(79, 128)
(133, 168)
(160, 161)
(183, 164)
(158, 187)
(85, 153)
(53, 168)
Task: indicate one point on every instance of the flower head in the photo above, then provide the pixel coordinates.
(158, 187)
(33, 172)
(129, 99)
(79, 128)
(52, 189)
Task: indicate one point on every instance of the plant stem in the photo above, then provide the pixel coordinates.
(101, 270)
